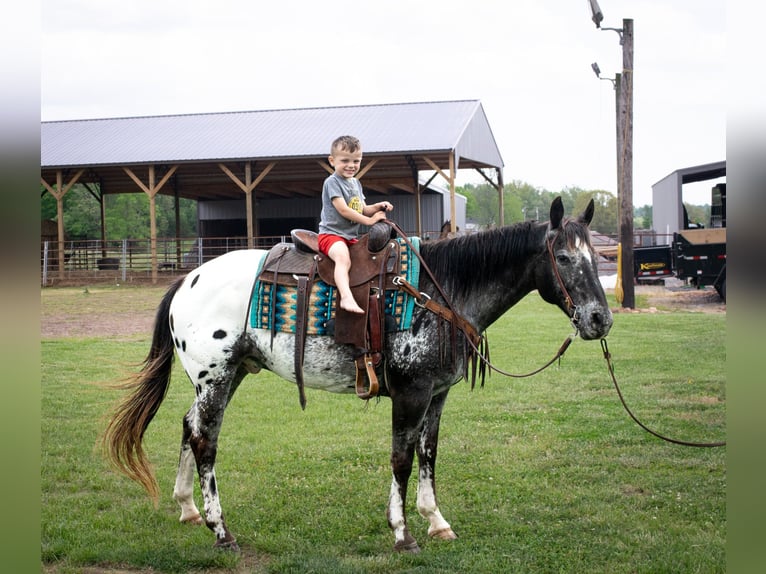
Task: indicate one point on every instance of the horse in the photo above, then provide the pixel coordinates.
(202, 320)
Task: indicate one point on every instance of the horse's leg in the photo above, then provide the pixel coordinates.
(205, 419)
(183, 491)
(407, 416)
(426, 449)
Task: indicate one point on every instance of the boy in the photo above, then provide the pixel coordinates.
(343, 211)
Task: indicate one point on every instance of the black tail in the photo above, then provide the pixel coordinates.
(125, 431)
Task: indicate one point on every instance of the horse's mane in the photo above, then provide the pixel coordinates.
(474, 259)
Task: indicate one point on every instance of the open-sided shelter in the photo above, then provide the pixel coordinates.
(269, 154)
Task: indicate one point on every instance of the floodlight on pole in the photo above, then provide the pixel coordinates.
(597, 71)
(596, 15)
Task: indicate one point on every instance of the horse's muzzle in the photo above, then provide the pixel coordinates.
(593, 321)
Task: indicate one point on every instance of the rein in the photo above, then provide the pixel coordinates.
(572, 310)
(610, 367)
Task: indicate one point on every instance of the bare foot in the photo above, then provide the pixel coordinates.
(351, 306)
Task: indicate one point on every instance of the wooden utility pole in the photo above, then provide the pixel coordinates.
(625, 173)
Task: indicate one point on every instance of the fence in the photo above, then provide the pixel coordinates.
(129, 260)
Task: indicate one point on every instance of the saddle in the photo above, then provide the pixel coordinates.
(375, 262)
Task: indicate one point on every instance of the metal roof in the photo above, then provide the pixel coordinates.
(398, 136)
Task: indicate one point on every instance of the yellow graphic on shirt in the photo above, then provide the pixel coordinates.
(356, 204)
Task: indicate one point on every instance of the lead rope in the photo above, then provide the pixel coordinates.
(608, 357)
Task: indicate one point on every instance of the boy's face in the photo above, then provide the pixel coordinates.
(346, 163)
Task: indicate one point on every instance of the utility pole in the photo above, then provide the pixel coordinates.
(626, 165)
(624, 87)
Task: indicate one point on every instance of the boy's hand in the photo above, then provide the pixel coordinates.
(385, 206)
(377, 216)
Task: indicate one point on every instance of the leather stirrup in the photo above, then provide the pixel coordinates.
(366, 369)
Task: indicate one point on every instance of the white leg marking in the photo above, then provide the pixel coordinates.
(183, 492)
(427, 506)
(396, 512)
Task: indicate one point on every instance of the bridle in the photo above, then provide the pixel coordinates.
(571, 309)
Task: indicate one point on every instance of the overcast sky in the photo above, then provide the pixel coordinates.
(528, 62)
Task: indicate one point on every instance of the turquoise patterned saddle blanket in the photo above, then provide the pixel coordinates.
(322, 300)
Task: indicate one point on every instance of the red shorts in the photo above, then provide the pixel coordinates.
(326, 241)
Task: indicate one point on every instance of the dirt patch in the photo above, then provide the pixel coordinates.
(675, 296)
(109, 311)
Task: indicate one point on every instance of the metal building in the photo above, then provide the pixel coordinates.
(264, 161)
(667, 197)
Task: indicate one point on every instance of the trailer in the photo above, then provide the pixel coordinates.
(697, 256)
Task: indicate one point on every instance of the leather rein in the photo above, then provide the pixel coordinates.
(476, 340)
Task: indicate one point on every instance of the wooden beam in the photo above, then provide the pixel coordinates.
(151, 190)
(326, 166)
(437, 169)
(247, 187)
(366, 168)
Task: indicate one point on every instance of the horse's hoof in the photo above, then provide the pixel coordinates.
(443, 534)
(409, 544)
(194, 520)
(230, 545)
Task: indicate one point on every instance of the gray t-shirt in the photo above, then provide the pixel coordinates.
(333, 222)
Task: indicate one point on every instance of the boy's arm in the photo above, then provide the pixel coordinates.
(380, 206)
(362, 218)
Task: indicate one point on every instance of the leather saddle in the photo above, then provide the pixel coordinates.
(375, 262)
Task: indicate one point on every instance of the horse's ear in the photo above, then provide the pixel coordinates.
(557, 212)
(587, 216)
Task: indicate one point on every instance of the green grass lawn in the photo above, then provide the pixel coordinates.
(544, 474)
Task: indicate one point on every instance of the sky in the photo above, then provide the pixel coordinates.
(528, 62)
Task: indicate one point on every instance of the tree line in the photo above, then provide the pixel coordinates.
(522, 201)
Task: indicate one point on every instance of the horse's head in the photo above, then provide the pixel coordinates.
(568, 273)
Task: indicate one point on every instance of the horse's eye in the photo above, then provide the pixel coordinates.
(562, 258)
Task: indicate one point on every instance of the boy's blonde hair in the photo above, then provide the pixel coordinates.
(345, 143)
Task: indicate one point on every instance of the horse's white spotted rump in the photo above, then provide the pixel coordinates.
(203, 319)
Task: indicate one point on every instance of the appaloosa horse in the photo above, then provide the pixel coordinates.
(203, 318)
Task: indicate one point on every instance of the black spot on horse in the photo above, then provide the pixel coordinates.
(213, 486)
(202, 374)
(219, 334)
(183, 345)
(212, 366)
(194, 281)
(177, 343)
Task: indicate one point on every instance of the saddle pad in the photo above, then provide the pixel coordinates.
(322, 300)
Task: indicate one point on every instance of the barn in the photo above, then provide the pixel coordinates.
(258, 173)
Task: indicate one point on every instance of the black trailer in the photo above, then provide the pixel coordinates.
(696, 255)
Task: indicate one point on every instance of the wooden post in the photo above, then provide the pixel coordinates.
(151, 191)
(59, 192)
(626, 165)
(452, 210)
(247, 187)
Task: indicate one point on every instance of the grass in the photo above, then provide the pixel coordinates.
(544, 474)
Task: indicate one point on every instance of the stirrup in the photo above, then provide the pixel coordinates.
(366, 368)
